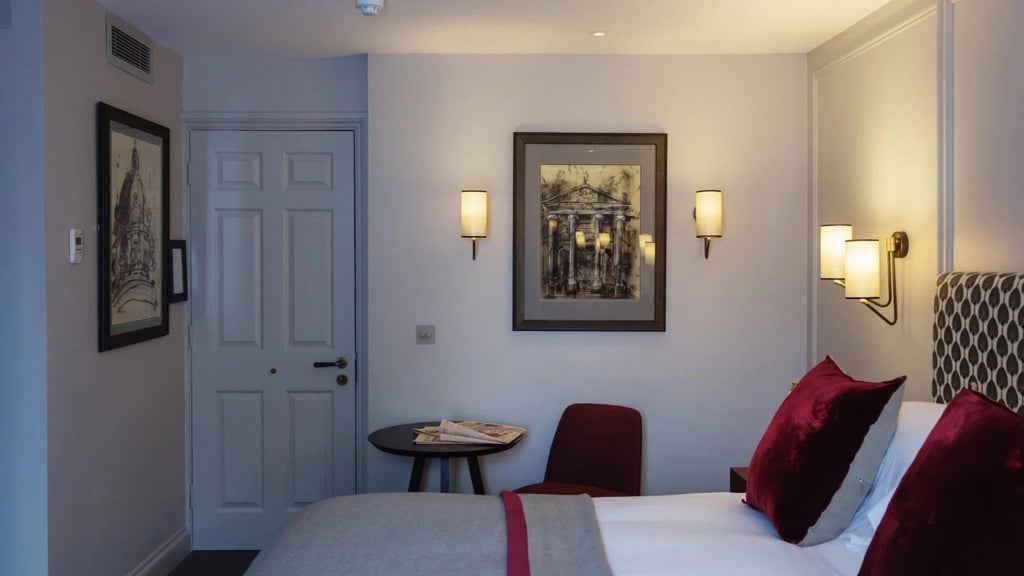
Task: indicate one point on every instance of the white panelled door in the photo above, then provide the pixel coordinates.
(273, 233)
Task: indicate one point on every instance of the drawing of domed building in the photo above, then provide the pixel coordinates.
(133, 250)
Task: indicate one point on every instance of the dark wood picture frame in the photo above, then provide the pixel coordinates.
(568, 189)
(178, 290)
(133, 166)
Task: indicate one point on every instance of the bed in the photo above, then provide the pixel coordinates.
(978, 345)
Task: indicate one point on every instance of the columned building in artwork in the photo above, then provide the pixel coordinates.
(586, 245)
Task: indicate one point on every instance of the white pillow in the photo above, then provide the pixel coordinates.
(914, 423)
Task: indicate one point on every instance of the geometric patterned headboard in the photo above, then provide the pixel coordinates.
(979, 337)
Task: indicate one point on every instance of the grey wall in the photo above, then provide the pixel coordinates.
(874, 152)
(735, 323)
(430, 137)
(116, 421)
(988, 135)
(23, 522)
(268, 85)
(951, 139)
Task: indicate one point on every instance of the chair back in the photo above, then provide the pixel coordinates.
(598, 445)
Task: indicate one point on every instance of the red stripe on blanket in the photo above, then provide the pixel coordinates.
(515, 527)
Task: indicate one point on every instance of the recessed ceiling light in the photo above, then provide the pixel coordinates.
(598, 33)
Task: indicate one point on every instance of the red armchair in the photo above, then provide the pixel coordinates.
(597, 450)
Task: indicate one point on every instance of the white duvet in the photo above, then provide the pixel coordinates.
(712, 534)
(716, 534)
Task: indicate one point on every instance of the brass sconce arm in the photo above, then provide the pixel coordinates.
(896, 246)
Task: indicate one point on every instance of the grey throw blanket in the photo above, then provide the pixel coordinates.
(433, 535)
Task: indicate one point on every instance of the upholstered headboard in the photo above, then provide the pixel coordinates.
(979, 336)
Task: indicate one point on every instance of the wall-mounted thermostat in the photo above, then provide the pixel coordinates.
(75, 245)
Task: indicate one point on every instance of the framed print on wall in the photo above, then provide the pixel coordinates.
(134, 218)
(179, 272)
(589, 231)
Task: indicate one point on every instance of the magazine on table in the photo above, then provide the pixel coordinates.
(468, 432)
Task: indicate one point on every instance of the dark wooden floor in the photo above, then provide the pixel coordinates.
(215, 563)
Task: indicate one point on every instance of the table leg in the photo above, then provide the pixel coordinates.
(416, 478)
(445, 478)
(474, 474)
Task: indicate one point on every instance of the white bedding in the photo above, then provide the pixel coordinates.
(709, 534)
(716, 534)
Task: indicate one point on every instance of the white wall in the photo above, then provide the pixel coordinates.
(883, 146)
(874, 104)
(269, 85)
(988, 135)
(117, 419)
(736, 322)
(23, 522)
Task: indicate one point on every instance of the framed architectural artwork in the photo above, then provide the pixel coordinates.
(133, 213)
(589, 231)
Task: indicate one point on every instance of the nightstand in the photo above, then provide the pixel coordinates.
(738, 479)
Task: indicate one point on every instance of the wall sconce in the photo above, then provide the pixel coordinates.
(708, 214)
(645, 240)
(861, 273)
(474, 215)
(649, 254)
(833, 251)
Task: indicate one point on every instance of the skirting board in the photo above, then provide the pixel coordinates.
(166, 556)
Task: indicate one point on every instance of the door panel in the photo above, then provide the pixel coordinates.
(239, 272)
(272, 217)
(241, 434)
(309, 255)
(311, 473)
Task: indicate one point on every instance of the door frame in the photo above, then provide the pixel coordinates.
(286, 122)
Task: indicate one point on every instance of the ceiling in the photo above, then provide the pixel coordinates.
(327, 28)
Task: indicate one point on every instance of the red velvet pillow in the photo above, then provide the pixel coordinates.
(959, 509)
(818, 458)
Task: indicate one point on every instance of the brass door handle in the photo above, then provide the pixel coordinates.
(341, 362)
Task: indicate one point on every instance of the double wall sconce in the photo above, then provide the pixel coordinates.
(708, 214)
(474, 215)
(854, 264)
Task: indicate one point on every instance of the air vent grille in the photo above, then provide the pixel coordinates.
(129, 49)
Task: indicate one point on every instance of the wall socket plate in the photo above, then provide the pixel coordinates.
(425, 334)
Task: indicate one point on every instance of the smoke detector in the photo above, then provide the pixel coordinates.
(370, 7)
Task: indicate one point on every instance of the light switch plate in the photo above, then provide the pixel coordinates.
(425, 334)
(75, 245)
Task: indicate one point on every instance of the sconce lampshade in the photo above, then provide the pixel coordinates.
(708, 213)
(862, 271)
(649, 253)
(643, 240)
(832, 261)
(604, 238)
(474, 214)
(581, 240)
